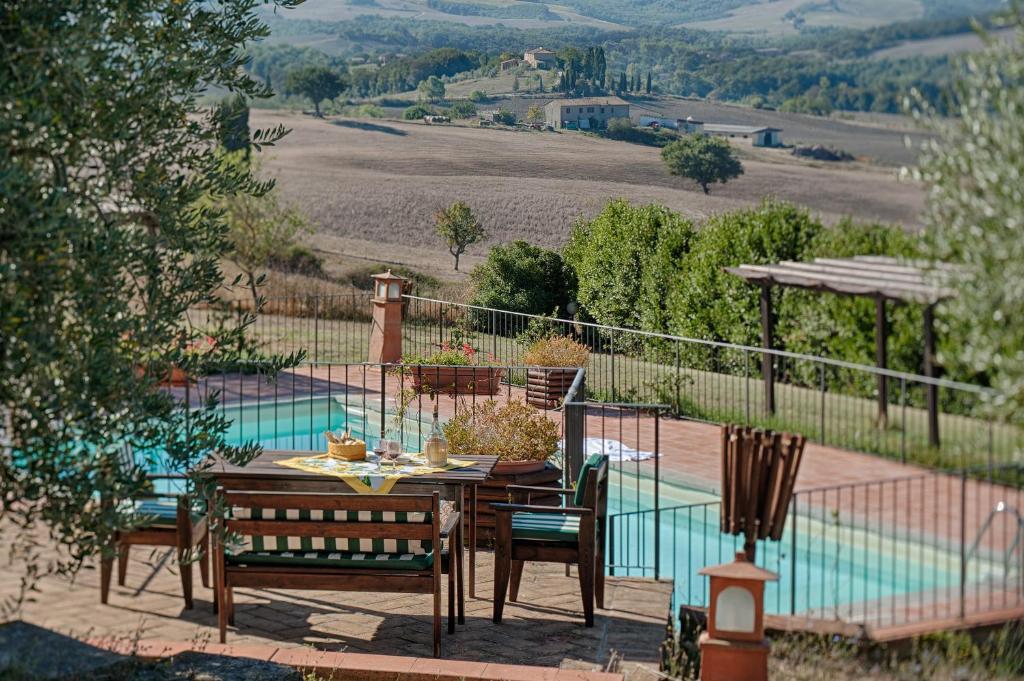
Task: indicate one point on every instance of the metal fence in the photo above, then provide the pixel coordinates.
(882, 553)
(832, 402)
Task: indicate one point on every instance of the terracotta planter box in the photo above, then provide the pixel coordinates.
(546, 388)
(463, 380)
(175, 377)
(518, 467)
(494, 490)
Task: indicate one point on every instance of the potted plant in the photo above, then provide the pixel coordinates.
(522, 437)
(552, 361)
(453, 370)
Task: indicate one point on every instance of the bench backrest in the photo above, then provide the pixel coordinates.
(358, 523)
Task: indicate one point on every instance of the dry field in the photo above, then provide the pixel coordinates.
(769, 17)
(372, 187)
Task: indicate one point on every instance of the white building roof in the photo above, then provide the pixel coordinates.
(738, 129)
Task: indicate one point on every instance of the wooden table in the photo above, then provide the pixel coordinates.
(263, 474)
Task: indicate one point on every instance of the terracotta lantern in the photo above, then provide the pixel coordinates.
(734, 647)
(386, 333)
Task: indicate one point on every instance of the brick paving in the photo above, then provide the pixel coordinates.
(545, 628)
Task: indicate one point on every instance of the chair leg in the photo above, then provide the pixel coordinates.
(502, 561)
(586, 570)
(599, 577)
(460, 553)
(437, 616)
(185, 568)
(229, 601)
(451, 591)
(122, 562)
(517, 577)
(106, 569)
(222, 609)
(204, 561)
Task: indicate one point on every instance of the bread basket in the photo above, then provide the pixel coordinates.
(346, 447)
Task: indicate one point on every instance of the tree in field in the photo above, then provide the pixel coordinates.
(535, 114)
(459, 228)
(520, 277)
(232, 115)
(703, 159)
(259, 228)
(975, 210)
(622, 82)
(431, 89)
(316, 83)
(515, 84)
(540, 83)
(647, 88)
(104, 248)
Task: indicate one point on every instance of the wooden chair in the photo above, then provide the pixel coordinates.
(173, 523)
(349, 542)
(554, 534)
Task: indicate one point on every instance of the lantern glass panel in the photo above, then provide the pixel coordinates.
(394, 292)
(735, 610)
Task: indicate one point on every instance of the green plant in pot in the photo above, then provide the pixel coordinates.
(456, 368)
(522, 437)
(554, 362)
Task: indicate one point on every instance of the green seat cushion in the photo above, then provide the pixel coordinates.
(545, 526)
(163, 512)
(339, 559)
(593, 461)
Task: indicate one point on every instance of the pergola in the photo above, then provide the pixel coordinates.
(882, 278)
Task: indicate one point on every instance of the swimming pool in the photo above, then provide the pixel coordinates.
(826, 568)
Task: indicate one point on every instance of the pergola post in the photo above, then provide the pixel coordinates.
(767, 338)
(930, 371)
(882, 359)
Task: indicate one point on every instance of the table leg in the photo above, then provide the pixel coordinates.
(460, 556)
(472, 541)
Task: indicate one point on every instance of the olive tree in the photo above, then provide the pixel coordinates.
(316, 83)
(459, 228)
(703, 159)
(105, 245)
(975, 210)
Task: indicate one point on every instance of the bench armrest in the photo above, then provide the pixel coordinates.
(450, 523)
(541, 490)
(524, 508)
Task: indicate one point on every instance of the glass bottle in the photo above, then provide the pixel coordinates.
(435, 449)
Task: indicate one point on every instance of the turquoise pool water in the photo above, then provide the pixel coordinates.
(825, 568)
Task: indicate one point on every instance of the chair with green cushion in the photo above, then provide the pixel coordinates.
(554, 534)
(168, 520)
(391, 543)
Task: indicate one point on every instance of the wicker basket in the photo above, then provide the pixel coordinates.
(347, 451)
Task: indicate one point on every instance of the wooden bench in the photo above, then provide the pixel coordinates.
(336, 542)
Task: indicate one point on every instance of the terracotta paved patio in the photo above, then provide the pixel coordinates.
(545, 628)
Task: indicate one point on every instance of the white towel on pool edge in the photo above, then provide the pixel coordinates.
(616, 451)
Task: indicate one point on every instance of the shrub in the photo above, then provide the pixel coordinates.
(520, 277)
(298, 259)
(478, 96)
(505, 117)
(512, 432)
(557, 351)
(708, 303)
(417, 112)
(462, 109)
(610, 254)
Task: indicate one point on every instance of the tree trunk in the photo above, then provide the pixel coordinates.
(254, 292)
(704, 186)
(456, 262)
(316, 105)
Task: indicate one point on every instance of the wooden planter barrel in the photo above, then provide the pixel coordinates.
(546, 388)
(463, 380)
(494, 490)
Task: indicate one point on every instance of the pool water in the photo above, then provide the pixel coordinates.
(825, 568)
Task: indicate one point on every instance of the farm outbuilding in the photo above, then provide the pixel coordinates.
(540, 58)
(760, 136)
(587, 113)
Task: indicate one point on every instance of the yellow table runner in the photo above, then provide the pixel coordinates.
(368, 477)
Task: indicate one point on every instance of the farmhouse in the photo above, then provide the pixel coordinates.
(540, 58)
(761, 136)
(584, 114)
(509, 64)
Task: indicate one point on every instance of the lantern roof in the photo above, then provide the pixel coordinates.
(387, 276)
(741, 568)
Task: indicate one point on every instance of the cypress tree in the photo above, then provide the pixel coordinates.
(648, 89)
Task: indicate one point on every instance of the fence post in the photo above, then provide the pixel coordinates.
(612, 346)
(746, 386)
(821, 368)
(316, 329)
(611, 546)
(657, 505)
(903, 420)
(963, 543)
(792, 555)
